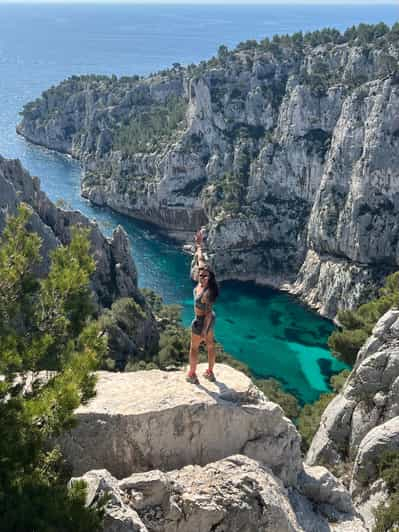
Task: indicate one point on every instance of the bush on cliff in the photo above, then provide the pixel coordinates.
(150, 128)
(274, 392)
(358, 324)
(174, 340)
(309, 418)
(387, 514)
(364, 34)
(44, 325)
(124, 324)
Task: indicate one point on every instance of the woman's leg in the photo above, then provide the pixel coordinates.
(210, 344)
(194, 346)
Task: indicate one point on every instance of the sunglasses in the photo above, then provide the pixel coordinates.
(204, 276)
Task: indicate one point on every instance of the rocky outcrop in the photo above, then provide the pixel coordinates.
(368, 490)
(213, 457)
(235, 494)
(353, 220)
(288, 151)
(319, 485)
(115, 275)
(384, 437)
(362, 421)
(368, 399)
(119, 516)
(152, 419)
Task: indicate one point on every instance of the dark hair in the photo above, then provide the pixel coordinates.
(212, 284)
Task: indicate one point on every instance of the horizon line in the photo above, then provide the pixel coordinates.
(207, 2)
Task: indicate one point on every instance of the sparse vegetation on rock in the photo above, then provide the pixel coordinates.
(387, 514)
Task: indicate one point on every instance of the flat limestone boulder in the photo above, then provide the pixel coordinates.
(148, 420)
(146, 489)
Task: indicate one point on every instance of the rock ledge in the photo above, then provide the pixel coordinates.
(156, 420)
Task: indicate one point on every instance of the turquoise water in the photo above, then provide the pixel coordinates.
(270, 331)
(41, 45)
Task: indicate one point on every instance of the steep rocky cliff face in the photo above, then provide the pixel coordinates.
(363, 420)
(369, 398)
(288, 150)
(115, 276)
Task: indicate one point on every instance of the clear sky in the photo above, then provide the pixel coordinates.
(315, 2)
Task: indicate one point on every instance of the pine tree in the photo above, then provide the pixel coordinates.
(49, 346)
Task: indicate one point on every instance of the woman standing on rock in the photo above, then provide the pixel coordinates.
(205, 294)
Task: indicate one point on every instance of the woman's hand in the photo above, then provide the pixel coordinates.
(199, 237)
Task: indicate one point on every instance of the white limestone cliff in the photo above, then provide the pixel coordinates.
(297, 182)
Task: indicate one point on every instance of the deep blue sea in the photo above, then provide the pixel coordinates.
(41, 44)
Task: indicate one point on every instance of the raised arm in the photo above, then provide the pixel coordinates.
(199, 257)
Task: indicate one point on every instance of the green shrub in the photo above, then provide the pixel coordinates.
(387, 514)
(223, 53)
(128, 313)
(274, 391)
(174, 347)
(230, 190)
(140, 365)
(123, 323)
(358, 324)
(147, 129)
(46, 324)
(153, 299)
(337, 381)
(309, 418)
(346, 344)
(388, 467)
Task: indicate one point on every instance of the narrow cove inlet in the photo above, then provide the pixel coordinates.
(274, 334)
(127, 126)
(270, 331)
